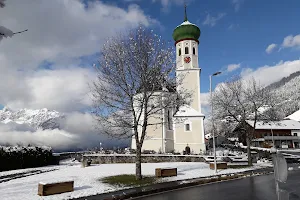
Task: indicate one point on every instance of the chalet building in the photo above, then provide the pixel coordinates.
(285, 134)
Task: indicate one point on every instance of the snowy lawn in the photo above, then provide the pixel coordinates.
(87, 180)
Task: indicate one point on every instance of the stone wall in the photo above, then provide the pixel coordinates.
(68, 155)
(130, 158)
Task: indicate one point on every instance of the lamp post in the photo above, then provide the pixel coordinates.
(212, 118)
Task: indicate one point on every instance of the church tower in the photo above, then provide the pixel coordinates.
(183, 129)
(186, 37)
(188, 126)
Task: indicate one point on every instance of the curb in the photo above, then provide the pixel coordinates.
(167, 186)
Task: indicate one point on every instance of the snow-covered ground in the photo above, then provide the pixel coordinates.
(87, 180)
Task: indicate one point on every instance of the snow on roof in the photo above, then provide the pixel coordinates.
(188, 111)
(186, 23)
(286, 124)
(295, 116)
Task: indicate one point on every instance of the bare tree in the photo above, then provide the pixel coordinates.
(5, 32)
(241, 101)
(135, 83)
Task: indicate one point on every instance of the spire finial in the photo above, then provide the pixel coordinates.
(185, 15)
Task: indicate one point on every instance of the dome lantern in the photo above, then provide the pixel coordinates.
(186, 30)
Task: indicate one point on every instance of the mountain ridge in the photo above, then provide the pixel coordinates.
(287, 92)
(37, 119)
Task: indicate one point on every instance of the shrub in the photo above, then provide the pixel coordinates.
(18, 157)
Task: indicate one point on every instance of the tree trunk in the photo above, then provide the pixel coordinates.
(249, 151)
(138, 162)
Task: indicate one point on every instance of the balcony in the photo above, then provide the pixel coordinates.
(282, 137)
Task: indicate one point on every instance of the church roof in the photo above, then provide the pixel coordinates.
(188, 111)
(186, 30)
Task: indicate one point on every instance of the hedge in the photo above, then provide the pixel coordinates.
(17, 157)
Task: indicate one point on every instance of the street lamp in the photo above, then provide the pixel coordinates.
(212, 119)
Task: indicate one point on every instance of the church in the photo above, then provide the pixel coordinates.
(171, 136)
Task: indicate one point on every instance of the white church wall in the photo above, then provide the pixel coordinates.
(193, 138)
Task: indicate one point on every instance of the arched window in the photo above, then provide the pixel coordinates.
(186, 50)
(179, 52)
(194, 51)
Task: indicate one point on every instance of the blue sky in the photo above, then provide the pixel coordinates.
(236, 32)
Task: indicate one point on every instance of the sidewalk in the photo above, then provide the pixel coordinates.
(162, 187)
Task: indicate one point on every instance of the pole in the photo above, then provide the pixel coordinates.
(273, 137)
(275, 163)
(213, 125)
(162, 124)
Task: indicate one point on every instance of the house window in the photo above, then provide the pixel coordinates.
(179, 52)
(295, 134)
(186, 49)
(194, 51)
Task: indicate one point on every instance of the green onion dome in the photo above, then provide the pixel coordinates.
(186, 30)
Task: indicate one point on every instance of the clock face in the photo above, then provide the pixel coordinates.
(187, 59)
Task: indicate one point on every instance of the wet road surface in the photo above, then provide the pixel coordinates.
(258, 188)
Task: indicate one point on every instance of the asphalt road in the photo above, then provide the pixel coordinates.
(258, 188)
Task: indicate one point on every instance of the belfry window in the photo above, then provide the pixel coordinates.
(194, 51)
(179, 52)
(186, 50)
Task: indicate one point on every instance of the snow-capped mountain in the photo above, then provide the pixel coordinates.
(42, 118)
(288, 92)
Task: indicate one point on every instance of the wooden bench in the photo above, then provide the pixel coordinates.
(220, 165)
(45, 189)
(165, 172)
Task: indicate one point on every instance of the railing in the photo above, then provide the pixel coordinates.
(282, 137)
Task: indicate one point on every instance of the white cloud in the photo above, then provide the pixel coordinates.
(291, 41)
(265, 75)
(61, 29)
(271, 48)
(233, 67)
(77, 131)
(270, 74)
(63, 90)
(237, 4)
(59, 32)
(166, 3)
(212, 21)
(205, 98)
(246, 71)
